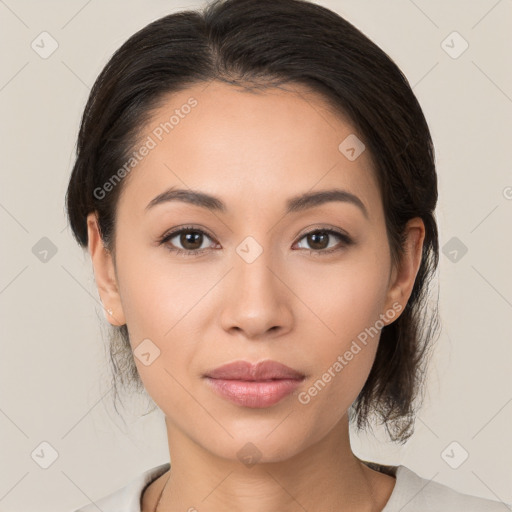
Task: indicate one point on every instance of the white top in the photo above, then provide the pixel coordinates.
(411, 493)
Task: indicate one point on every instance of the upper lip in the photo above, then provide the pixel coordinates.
(264, 370)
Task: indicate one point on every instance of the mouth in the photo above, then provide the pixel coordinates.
(254, 385)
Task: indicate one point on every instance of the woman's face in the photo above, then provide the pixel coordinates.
(254, 289)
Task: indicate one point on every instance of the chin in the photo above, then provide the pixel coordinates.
(257, 444)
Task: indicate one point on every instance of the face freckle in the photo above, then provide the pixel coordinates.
(256, 298)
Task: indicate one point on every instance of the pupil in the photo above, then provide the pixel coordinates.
(187, 238)
(314, 237)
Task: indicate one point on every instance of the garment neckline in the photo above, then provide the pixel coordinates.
(399, 472)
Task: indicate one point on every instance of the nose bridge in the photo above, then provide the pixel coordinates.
(255, 254)
(252, 267)
(256, 300)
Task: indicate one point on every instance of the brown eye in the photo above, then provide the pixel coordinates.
(191, 240)
(186, 241)
(319, 241)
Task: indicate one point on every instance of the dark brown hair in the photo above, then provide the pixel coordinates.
(267, 43)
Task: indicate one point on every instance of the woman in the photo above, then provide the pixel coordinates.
(256, 186)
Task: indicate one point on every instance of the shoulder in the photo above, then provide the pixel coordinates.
(127, 498)
(413, 493)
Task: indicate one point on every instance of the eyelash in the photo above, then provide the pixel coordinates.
(346, 241)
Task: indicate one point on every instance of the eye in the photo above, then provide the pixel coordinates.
(319, 241)
(190, 238)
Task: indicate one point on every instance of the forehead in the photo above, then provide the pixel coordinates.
(252, 148)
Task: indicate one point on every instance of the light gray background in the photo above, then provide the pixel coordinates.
(53, 369)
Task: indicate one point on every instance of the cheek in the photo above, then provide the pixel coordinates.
(162, 306)
(342, 299)
(348, 303)
(156, 294)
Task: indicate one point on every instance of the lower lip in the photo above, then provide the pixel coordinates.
(255, 394)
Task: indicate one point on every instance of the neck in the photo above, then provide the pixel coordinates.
(324, 476)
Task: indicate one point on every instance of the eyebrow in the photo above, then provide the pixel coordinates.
(294, 204)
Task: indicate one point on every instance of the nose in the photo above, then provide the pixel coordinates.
(257, 301)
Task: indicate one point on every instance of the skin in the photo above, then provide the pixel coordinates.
(254, 150)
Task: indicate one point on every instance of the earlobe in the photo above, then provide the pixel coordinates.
(104, 273)
(404, 277)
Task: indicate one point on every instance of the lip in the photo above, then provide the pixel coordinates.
(264, 370)
(254, 385)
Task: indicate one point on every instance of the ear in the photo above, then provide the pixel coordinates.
(403, 277)
(104, 273)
